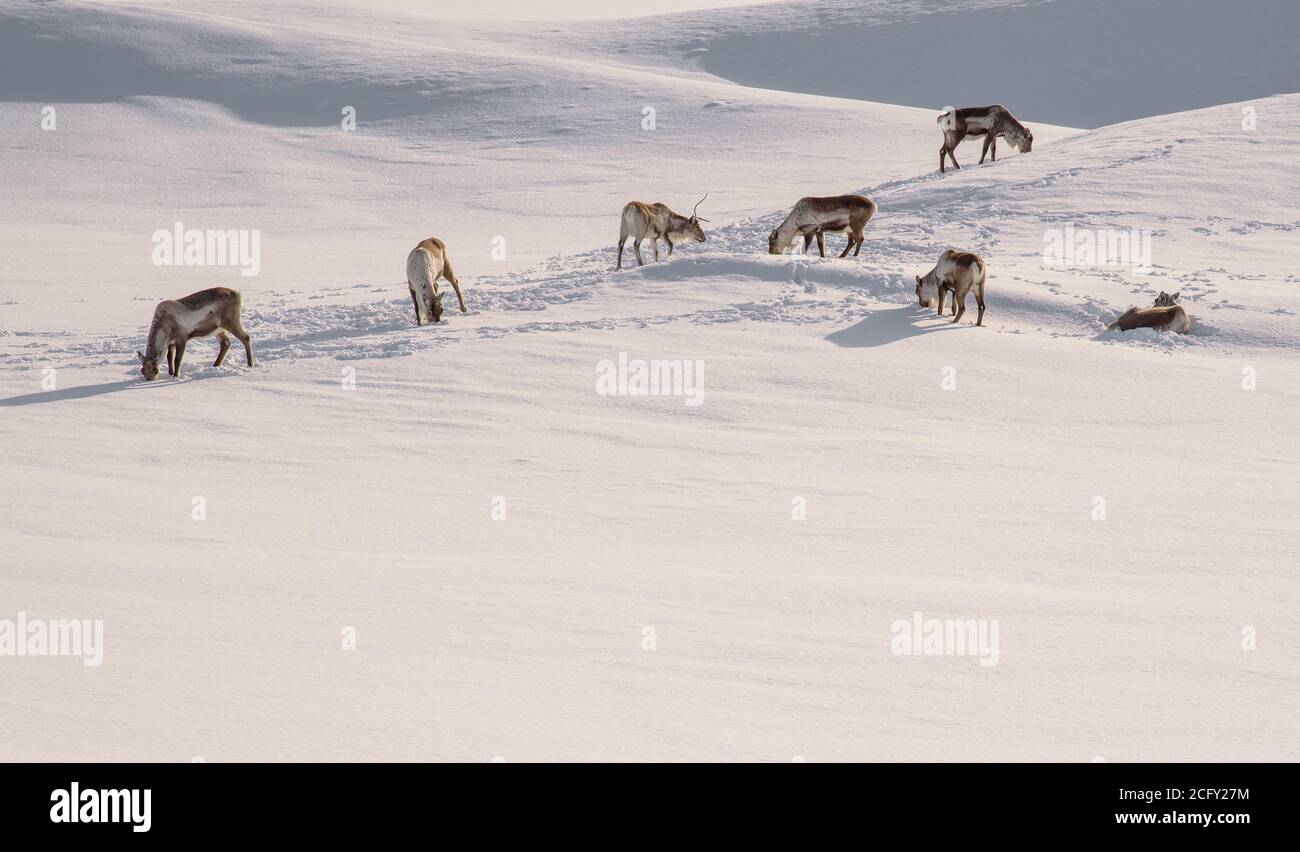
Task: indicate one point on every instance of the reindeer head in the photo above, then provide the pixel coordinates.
(777, 245)
(1024, 142)
(926, 290)
(1164, 300)
(148, 366)
(695, 232)
(435, 306)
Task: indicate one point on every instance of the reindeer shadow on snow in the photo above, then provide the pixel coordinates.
(89, 391)
(957, 273)
(889, 325)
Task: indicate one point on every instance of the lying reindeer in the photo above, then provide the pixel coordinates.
(200, 314)
(813, 217)
(1164, 315)
(426, 263)
(655, 222)
(989, 122)
(958, 271)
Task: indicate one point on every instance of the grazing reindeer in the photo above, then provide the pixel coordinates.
(1164, 315)
(989, 122)
(958, 271)
(814, 217)
(426, 263)
(197, 315)
(654, 222)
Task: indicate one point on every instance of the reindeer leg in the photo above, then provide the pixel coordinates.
(807, 241)
(450, 274)
(943, 152)
(859, 246)
(180, 353)
(455, 285)
(670, 245)
(654, 244)
(821, 244)
(415, 300)
(985, 150)
(979, 297)
(171, 359)
(243, 336)
(993, 148)
(621, 242)
(941, 292)
(225, 345)
(949, 147)
(960, 303)
(636, 247)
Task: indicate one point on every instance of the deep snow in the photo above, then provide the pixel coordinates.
(356, 477)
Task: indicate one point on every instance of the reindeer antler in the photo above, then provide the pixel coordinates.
(695, 211)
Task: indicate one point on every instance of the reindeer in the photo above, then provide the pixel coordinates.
(958, 271)
(426, 263)
(655, 222)
(814, 217)
(989, 122)
(200, 314)
(1164, 315)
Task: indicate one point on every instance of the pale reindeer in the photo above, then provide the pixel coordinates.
(200, 314)
(1164, 315)
(654, 222)
(813, 217)
(426, 263)
(989, 122)
(960, 272)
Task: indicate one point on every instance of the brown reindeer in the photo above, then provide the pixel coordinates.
(426, 263)
(654, 222)
(200, 314)
(989, 122)
(1164, 315)
(960, 272)
(813, 217)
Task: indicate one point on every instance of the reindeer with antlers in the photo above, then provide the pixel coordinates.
(654, 222)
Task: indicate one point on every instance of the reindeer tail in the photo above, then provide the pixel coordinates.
(945, 119)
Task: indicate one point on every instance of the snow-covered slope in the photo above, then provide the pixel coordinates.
(228, 115)
(534, 570)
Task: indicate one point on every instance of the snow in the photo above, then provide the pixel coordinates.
(501, 537)
(1081, 63)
